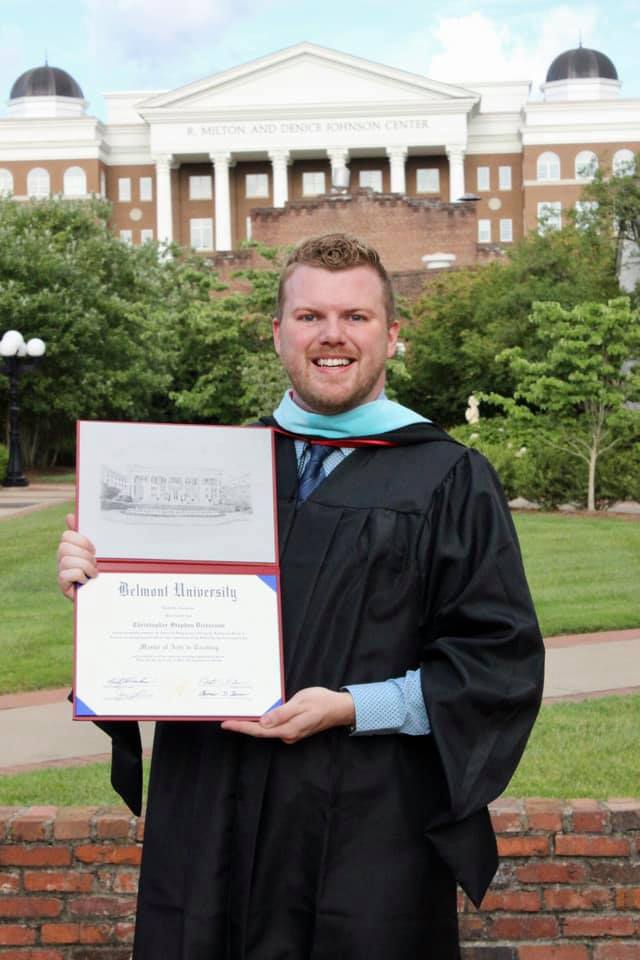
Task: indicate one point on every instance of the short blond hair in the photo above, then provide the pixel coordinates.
(337, 251)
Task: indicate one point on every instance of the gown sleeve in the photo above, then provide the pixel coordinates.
(126, 759)
(482, 668)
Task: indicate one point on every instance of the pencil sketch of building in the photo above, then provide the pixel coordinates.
(180, 494)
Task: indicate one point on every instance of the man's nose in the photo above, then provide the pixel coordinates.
(333, 330)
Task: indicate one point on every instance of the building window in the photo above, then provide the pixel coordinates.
(371, 179)
(124, 189)
(103, 184)
(38, 183)
(549, 216)
(146, 236)
(200, 188)
(624, 163)
(74, 182)
(506, 230)
(586, 165)
(585, 210)
(548, 166)
(483, 178)
(146, 188)
(256, 185)
(484, 231)
(201, 233)
(427, 180)
(504, 178)
(313, 183)
(6, 181)
(126, 236)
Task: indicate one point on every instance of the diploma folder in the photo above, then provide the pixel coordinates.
(183, 621)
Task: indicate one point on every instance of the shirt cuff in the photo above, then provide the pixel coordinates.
(390, 706)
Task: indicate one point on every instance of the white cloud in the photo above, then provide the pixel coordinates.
(145, 34)
(477, 47)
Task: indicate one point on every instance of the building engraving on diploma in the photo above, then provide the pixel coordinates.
(145, 494)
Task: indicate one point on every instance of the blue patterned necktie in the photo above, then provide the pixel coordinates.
(313, 473)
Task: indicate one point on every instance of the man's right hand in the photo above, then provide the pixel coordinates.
(76, 559)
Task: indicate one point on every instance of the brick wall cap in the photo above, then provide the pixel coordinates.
(37, 812)
(583, 804)
(623, 804)
(364, 196)
(506, 805)
(537, 804)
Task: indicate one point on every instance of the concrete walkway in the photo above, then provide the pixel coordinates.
(17, 501)
(36, 729)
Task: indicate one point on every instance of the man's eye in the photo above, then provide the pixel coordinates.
(307, 316)
(357, 316)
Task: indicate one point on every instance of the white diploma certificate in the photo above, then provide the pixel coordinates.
(177, 645)
(183, 620)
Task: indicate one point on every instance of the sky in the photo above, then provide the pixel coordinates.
(110, 45)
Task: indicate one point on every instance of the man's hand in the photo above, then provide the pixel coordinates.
(76, 559)
(309, 711)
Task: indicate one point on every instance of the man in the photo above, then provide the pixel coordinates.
(406, 616)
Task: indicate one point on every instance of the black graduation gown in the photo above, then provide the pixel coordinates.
(340, 847)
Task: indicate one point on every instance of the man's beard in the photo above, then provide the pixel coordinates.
(329, 407)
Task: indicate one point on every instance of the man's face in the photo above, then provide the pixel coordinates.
(333, 339)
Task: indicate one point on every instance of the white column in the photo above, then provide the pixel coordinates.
(222, 200)
(397, 157)
(279, 163)
(164, 218)
(456, 173)
(339, 160)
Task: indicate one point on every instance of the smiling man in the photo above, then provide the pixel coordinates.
(336, 827)
(334, 332)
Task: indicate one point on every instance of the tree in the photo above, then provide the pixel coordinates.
(614, 202)
(100, 307)
(465, 318)
(227, 370)
(585, 378)
(611, 206)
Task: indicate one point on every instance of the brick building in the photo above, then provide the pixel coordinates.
(253, 152)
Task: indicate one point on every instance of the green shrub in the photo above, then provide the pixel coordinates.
(532, 463)
(619, 474)
(4, 459)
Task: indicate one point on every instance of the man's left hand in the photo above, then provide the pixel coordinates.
(309, 711)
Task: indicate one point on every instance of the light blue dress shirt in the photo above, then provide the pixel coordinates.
(389, 706)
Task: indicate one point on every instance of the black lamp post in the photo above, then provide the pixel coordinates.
(18, 358)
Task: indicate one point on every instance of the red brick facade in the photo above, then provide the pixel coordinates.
(568, 887)
(402, 229)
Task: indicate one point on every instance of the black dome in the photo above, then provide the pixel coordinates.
(581, 64)
(45, 82)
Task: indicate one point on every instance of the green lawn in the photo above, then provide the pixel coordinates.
(583, 571)
(586, 749)
(60, 477)
(584, 574)
(36, 624)
(61, 786)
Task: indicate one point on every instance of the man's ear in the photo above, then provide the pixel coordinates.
(275, 329)
(392, 338)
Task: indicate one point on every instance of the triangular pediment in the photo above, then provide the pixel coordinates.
(311, 75)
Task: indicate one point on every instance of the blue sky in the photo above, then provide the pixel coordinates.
(158, 44)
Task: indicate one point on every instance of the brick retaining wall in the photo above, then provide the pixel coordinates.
(402, 229)
(568, 887)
